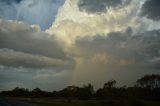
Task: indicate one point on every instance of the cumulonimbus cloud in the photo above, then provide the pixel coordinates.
(117, 55)
(85, 24)
(117, 46)
(96, 47)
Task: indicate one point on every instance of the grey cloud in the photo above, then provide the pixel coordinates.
(123, 47)
(22, 45)
(12, 58)
(151, 9)
(21, 37)
(33, 3)
(8, 74)
(95, 6)
(155, 63)
(47, 79)
(123, 56)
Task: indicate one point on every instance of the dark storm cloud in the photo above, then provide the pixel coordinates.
(12, 58)
(22, 45)
(95, 6)
(21, 37)
(123, 47)
(151, 9)
(122, 56)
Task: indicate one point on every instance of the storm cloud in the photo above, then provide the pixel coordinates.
(117, 44)
(90, 41)
(122, 47)
(31, 58)
(151, 9)
(117, 55)
(27, 46)
(95, 6)
(12, 58)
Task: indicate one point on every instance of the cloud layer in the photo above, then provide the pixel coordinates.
(151, 9)
(28, 54)
(89, 42)
(94, 6)
(24, 43)
(116, 56)
(116, 44)
(85, 24)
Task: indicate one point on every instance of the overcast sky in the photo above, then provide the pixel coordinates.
(51, 44)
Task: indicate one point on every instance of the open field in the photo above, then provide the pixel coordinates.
(63, 102)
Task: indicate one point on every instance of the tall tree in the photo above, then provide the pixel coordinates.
(149, 81)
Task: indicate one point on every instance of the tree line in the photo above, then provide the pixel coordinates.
(147, 88)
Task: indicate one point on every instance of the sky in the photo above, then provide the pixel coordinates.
(51, 44)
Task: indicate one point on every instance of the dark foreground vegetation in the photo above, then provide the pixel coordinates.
(146, 92)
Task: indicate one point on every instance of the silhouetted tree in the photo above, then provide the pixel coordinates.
(149, 81)
(147, 88)
(86, 92)
(110, 84)
(37, 92)
(108, 91)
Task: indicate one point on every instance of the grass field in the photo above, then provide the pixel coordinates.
(62, 102)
